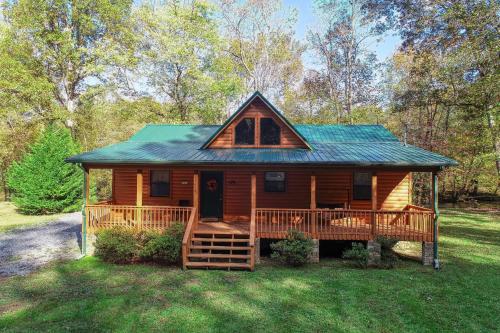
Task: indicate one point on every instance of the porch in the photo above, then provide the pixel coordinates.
(207, 244)
(413, 223)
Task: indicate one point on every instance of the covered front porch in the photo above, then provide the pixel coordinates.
(410, 223)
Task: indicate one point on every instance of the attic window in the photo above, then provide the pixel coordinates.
(245, 132)
(270, 132)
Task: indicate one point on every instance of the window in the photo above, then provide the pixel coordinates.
(362, 186)
(274, 181)
(245, 132)
(270, 132)
(159, 183)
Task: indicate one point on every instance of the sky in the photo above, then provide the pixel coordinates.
(306, 20)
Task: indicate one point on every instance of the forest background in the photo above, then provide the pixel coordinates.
(103, 69)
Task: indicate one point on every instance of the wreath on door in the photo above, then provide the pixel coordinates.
(212, 185)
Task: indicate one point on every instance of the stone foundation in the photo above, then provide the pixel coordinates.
(374, 250)
(315, 252)
(427, 253)
(257, 250)
(90, 244)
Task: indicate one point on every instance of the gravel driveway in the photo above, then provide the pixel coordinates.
(27, 249)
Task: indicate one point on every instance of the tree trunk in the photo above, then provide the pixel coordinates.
(5, 187)
(495, 146)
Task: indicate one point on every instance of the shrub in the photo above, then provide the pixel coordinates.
(42, 182)
(176, 230)
(116, 245)
(144, 236)
(164, 248)
(295, 250)
(358, 253)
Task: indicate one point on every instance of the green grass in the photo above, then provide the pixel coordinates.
(10, 218)
(89, 295)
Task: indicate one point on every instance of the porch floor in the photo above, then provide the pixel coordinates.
(237, 228)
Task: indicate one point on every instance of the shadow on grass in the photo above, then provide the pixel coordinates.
(89, 295)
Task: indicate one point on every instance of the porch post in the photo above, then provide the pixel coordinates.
(313, 206)
(253, 194)
(374, 204)
(196, 191)
(138, 199)
(436, 217)
(86, 194)
(253, 206)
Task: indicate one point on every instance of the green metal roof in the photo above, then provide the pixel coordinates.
(356, 145)
(174, 133)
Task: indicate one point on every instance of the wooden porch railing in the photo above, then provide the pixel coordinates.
(345, 224)
(133, 217)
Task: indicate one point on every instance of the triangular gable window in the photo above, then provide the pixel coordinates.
(244, 133)
(270, 132)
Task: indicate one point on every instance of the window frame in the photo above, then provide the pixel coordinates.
(261, 129)
(270, 190)
(168, 195)
(359, 196)
(236, 143)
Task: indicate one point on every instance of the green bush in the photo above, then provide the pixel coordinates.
(295, 250)
(42, 182)
(144, 236)
(358, 253)
(176, 230)
(116, 245)
(164, 248)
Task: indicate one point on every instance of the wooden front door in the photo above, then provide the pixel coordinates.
(211, 194)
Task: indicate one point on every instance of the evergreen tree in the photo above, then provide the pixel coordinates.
(42, 182)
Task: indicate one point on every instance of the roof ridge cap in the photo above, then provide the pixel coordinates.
(358, 142)
(345, 125)
(153, 124)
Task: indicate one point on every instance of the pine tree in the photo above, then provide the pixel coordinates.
(42, 182)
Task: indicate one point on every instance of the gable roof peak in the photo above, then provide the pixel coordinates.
(243, 106)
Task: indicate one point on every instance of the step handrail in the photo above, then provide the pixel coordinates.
(187, 236)
(252, 240)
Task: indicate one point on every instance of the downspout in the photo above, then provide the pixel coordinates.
(436, 218)
(84, 216)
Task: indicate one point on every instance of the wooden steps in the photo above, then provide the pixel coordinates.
(214, 247)
(215, 240)
(218, 265)
(215, 255)
(222, 249)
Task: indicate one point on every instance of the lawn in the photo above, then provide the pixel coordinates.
(10, 218)
(89, 295)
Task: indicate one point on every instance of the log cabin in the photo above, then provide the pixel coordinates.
(256, 177)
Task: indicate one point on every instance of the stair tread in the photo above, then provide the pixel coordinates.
(218, 247)
(220, 240)
(219, 255)
(221, 232)
(217, 264)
